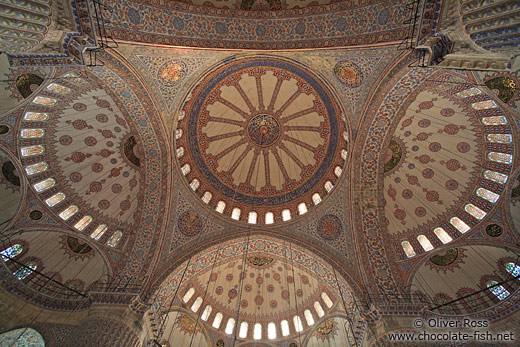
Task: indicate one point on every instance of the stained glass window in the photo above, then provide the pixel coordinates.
(286, 215)
(55, 199)
(459, 224)
(316, 198)
(195, 183)
(271, 331)
(196, 304)
(308, 317)
(500, 138)
(178, 134)
(298, 326)
(36, 168)
(206, 198)
(488, 195)
(230, 326)
(257, 331)
(217, 320)
(11, 252)
(337, 171)
(180, 152)
(31, 150)
(326, 299)
(35, 116)
(495, 120)
(252, 217)
(344, 154)
(58, 88)
(68, 212)
(495, 176)
(185, 169)
(319, 309)
(500, 292)
(469, 92)
(408, 249)
(269, 218)
(442, 235)
(500, 157)
(100, 230)
(425, 243)
(206, 313)
(44, 185)
(285, 328)
(114, 240)
(302, 208)
(513, 269)
(328, 186)
(484, 105)
(243, 330)
(187, 296)
(235, 214)
(23, 272)
(221, 206)
(45, 101)
(31, 133)
(83, 223)
(474, 211)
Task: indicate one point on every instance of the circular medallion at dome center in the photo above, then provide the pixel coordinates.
(260, 131)
(263, 130)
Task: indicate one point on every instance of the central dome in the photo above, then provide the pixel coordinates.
(262, 134)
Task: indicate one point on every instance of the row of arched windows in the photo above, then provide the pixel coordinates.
(11, 253)
(257, 329)
(498, 290)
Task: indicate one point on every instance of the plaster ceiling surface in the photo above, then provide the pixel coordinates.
(261, 133)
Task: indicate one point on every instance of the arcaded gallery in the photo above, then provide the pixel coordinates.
(239, 173)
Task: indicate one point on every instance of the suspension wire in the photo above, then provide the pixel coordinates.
(346, 309)
(241, 285)
(296, 300)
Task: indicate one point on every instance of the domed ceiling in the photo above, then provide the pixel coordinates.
(258, 5)
(262, 135)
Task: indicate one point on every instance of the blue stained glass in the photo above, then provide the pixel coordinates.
(513, 269)
(500, 292)
(23, 272)
(11, 252)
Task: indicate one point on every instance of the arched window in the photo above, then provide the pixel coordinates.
(35, 116)
(474, 211)
(459, 224)
(297, 324)
(513, 269)
(345, 136)
(180, 152)
(11, 252)
(83, 223)
(36, 168)
(235, 214)
(488, 195)
(185, 169)
(195, 183)
(58, 88)
(308, 317)
(31, 133)
(285, 328)
(44, 185)
(495, 176)
(271, 331)
(503, 158)
(328, 186)
(178, 134)
(269, 218)
(344, 154)
(469, 92)
(484, 105)
(495, 120)
(55, 199)
(206, 198)
(316, 198)
(319, 309)
(326, 299)
(187, 296)
(500, 138)
(22, 337)
(100, 230)
(68, 212)
(196, 304)
(23, 272)
(217, 320)
(500, 292)
(442, 235)
(252, 217)
(408, 249)
(337, 171)
(243, 330)
(28, 151)
(425, 243)
(286, 215)
(43, 100)
(230, 326)
(114, 240)
(257, 331)
(302, 208)
(221, 206)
